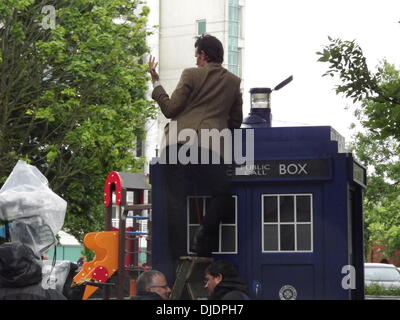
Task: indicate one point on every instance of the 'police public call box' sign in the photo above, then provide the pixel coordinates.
(309, 168)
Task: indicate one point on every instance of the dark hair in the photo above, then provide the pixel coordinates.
(145, 280)
(222, 267)
(19, 266)
(211, 46)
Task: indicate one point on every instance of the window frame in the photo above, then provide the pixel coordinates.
(189, 225)
(295, 223)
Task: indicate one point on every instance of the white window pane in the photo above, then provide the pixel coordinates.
(271, 238)
(228, 240)
(303, 208)
(270, 209)
(286, 208)
(230, 217)
(195, 210)
(192, 231)
(287, 237)
(304, 237)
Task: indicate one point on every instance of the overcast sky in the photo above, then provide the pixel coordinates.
(282, 38)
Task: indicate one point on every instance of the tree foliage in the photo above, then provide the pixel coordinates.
(379, 92)
(73, 97)
(382, 197)
(377, 105)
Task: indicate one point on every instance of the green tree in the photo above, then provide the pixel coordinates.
(382, 198)
(73, 96)
(377, 106)
(378, 93)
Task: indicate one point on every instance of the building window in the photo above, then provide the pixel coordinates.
(241, 17)
(201, 27)
(138, 145)
(234, 61)
(227, 237)
(287, 223)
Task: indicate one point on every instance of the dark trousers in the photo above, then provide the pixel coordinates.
(178, 180)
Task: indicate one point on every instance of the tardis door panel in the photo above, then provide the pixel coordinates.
(287, 242)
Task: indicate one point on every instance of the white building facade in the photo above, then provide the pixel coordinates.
(172, 43)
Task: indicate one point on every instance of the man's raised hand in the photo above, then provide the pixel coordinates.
(152, 69)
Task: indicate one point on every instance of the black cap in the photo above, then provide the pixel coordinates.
(260, 90)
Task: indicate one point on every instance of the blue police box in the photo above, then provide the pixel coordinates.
(297, 232)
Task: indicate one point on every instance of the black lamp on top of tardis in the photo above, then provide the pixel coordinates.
(260, 100)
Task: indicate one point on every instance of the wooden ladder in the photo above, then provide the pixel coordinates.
(189, 283)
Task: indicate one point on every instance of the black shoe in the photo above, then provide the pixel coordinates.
(201, 244)
(197, 239)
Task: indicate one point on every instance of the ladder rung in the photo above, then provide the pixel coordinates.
(136, 233)
(138, 217)
(137, 207)
(133, 252)
(133, 237)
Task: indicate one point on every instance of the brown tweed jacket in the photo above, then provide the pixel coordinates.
(206, 98)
